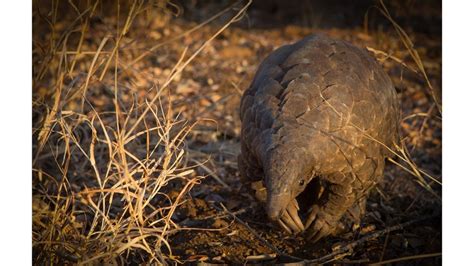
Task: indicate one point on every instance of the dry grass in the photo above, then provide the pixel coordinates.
(107, 178)
(405, 162)
(111, 158)
(405, 39)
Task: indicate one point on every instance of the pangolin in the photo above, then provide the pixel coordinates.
(320, 112)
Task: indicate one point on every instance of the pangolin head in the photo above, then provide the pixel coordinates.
(286, 175)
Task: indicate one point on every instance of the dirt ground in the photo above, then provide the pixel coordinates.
(219, 220)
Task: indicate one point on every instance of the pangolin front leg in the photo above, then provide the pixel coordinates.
(324, 217)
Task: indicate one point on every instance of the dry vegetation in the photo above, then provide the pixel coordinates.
(135, 136)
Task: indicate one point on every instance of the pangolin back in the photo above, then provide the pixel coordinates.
(321, 103)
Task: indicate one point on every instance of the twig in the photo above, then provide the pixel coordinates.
(261, 239)
(408, 258)
(413, 53)
(361, 261)
(262, 257)
(219, 216)
(394, 58)
(180, 67)
(376, 234)
(384, 246)
(213, 174)
(152, 49)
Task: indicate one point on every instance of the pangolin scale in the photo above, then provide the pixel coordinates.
(319, 109)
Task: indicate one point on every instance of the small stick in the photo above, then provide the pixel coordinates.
(376, 234)
(219, 216)
(260, 257)
(394, 58)
(361, 261)
(422, 256)
(213, 174)
(261, 239)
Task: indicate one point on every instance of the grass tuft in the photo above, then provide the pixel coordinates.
(108, 174)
